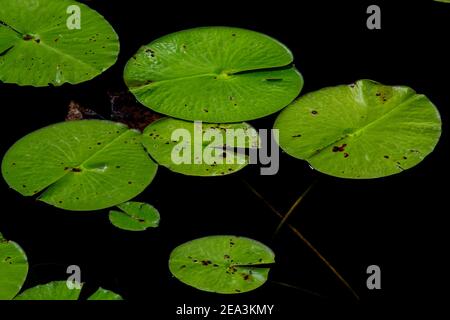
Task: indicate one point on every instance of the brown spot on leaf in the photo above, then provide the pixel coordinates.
(339, 149)
(206, 262)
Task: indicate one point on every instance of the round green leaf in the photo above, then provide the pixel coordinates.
(214, 74)
(38, 48)
(57, 290)
(80, 165)
(178, 145)
(364, 130)
(222, 264)
(13, 268)
(103, 294)
(135, 216)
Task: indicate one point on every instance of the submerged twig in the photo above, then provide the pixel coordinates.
(305, 241)
(292, 209)
(287, 285)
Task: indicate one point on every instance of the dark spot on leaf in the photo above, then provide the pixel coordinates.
(297, 136)
(314, 112)
(339, 149)
(183, 266)
(24, 186)
(226, 256)
(237, 290)
(405, 158)
(386, 157)
(206, 262)
(346, 155)
(215, 265)
(274, 79)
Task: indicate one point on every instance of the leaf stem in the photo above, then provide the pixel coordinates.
(303, 238)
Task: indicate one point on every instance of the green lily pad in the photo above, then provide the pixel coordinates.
(38, 48)
(222, 264)
(13, 268)
(214, 74)
(56, 290)
(103, 294)
(364, 130)
(80, 165)
(135, 216)
(189, 154)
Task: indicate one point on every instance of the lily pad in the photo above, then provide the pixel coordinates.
(363, 130)
(178, 146)
(56, 290)
(222, 264)
(13, 268)
(135, 216)
(38, 48)
(214, 74)
(103, 294)
(80, 165)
